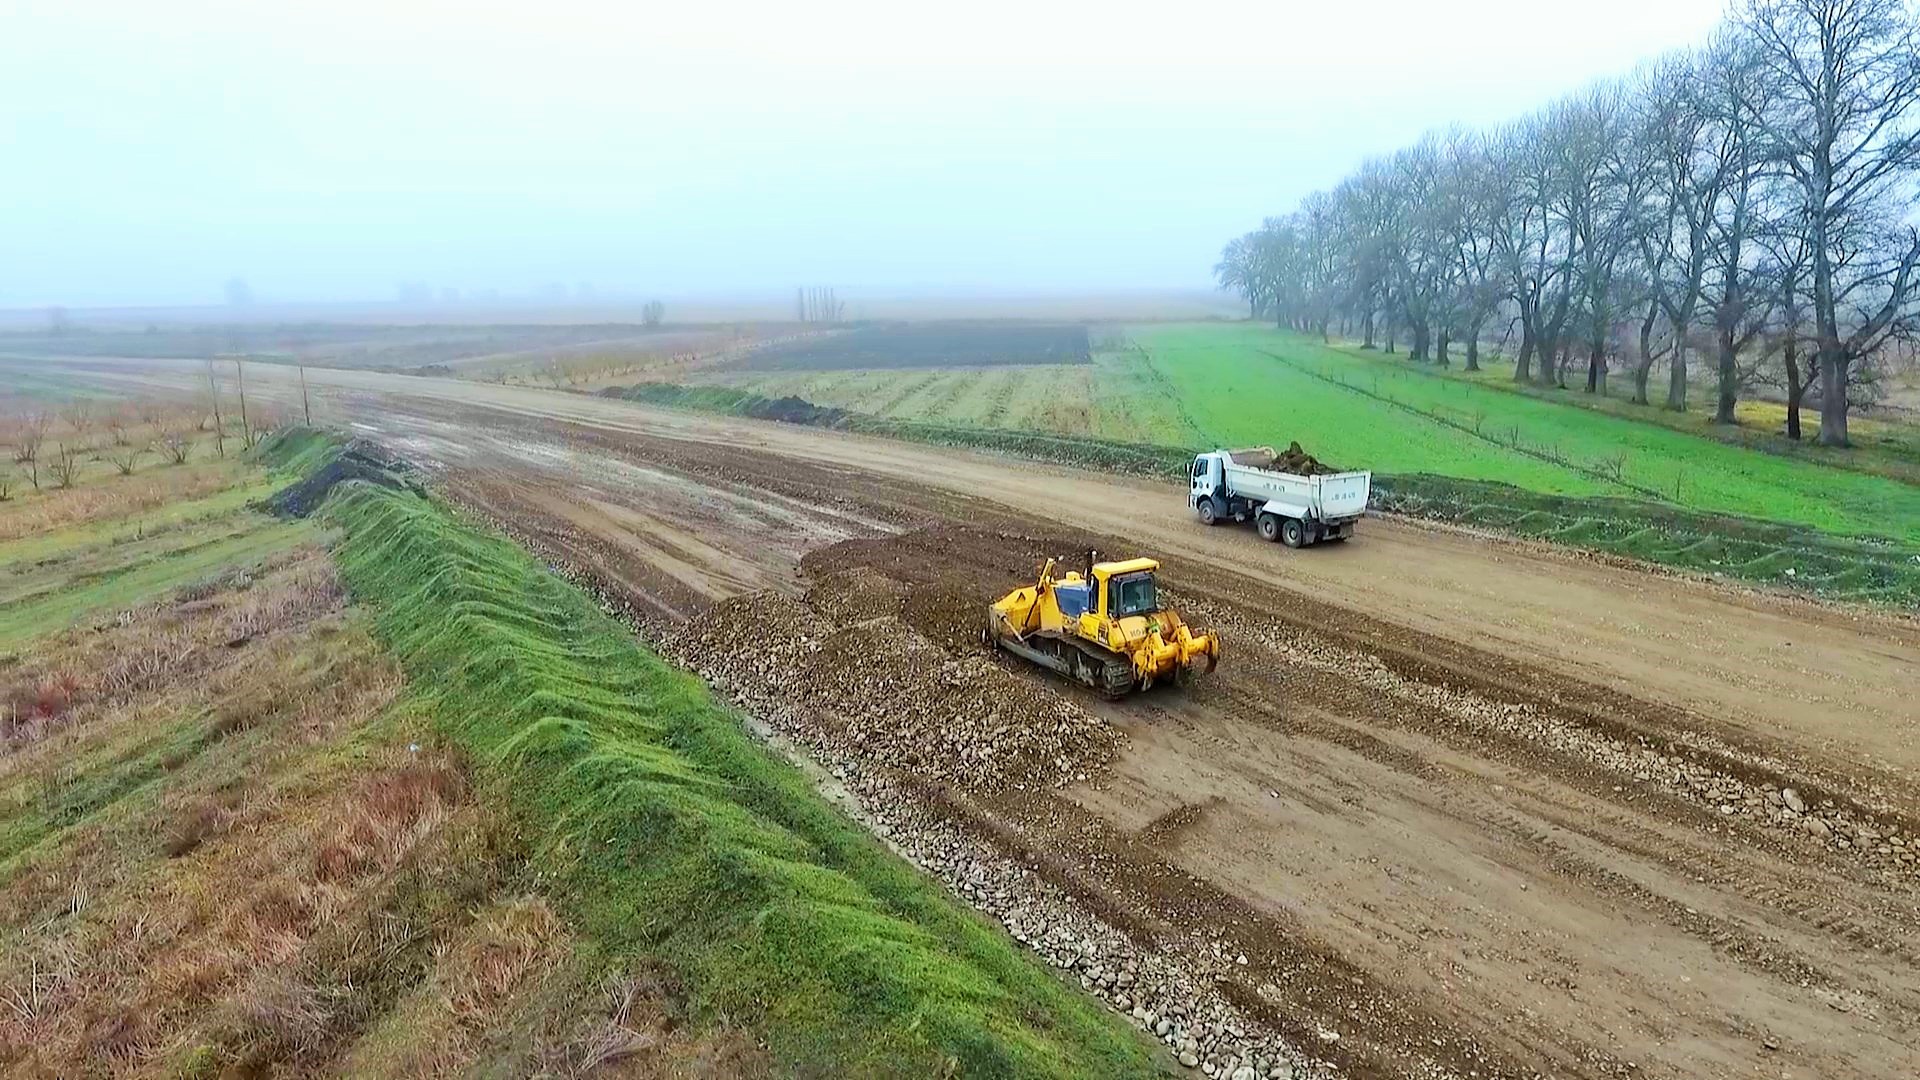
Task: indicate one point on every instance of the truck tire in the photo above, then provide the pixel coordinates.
(1293, 532)
(1269, 526)
(1208, 515)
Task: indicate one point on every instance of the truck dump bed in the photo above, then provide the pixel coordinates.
(1328, 497)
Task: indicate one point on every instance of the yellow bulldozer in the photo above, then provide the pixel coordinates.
(1105, 628)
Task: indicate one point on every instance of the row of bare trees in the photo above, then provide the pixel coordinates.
(49, 448)
(1749, 200)
(818, 304)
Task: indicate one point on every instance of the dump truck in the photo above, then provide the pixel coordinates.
(1106, 628)
(1295, 508)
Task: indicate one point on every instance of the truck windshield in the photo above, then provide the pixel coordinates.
(1133, 595)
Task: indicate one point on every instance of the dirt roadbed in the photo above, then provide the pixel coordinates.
(1449, 807)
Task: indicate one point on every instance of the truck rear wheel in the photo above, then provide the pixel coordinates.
(1208, 515)
(1293, 532)
(1269, 526)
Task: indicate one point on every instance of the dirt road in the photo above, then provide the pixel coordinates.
(1464, 806)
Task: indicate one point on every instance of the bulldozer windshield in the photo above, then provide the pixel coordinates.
(1133, 595)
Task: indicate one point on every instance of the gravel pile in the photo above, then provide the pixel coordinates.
(1172, 996)
(1170, 990)
(840, 681)
(878, 687)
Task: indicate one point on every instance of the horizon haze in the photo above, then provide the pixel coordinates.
(350, 155)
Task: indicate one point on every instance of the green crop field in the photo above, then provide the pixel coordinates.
(1248, 384)
(1204, 385)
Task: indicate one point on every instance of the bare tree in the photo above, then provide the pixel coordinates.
(818, 304)
(1682, 190)
(1787, 260)
(1472, 199)
(1421, 263)
(33, 432)
(1730, 95)
(79, 417)
(1369, 236)
(246, 426)
(27, 449)
(1607, 177)
(174, 447)
(6, 484)
(213, 401)
(1845, 75)
(125, 458)
(652, 313)
(1537, 250)
(65, 466)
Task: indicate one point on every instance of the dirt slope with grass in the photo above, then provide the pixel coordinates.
(376, 794)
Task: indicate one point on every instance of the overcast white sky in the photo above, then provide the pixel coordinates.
(150, 150)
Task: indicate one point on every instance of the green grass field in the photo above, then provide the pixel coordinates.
(1236, 384)
(1359, 408)
(1883, 443)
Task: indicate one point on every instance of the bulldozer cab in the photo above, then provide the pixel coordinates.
(1133, 594)
(1126, 588)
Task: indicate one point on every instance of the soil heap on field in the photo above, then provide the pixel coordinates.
(1293, 460)
(845, 663)
(358, 460)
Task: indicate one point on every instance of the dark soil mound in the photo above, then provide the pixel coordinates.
(1293, 460)
(1298, 461)
(797, 410)
(360, 460)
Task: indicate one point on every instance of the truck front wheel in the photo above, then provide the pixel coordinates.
(1208, 515)
(1293, 532)
(1269, 526)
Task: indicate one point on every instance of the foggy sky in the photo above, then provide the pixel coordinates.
(150, 151)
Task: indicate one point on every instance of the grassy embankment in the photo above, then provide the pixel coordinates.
(666, 832)
(463, 823)
(1446, 449)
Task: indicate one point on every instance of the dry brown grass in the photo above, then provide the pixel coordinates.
(102, 495)
(83, 675)
(227, 855)
(210, 939)
(636, 1034)
(480, 976)
(145, 915)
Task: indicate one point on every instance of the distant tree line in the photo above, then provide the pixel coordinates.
(818, 304)
(1749, 200)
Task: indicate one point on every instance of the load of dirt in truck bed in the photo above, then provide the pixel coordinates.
(1292, 460)
(877, 687)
